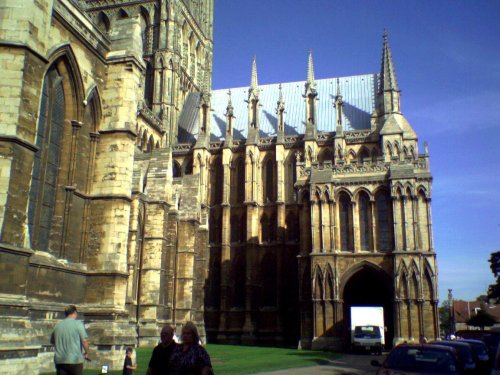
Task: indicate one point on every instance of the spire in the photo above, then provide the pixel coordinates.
(388, 90)
(229, 108)
(229, 121)
(253, 106)
(310, 72)
(204, 113)
(388, 80)
(254, 84)
(338, 106)
(311, 96)
(280, 112)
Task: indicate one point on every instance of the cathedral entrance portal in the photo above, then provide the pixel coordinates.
(369, 286)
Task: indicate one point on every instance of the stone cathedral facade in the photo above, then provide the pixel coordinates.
(131, 189)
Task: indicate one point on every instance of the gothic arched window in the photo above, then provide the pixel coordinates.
(268, 182)
(176, 169)
(238, 181)
(384, 221)
(102, 22)
(148, 85)
(346, 229)
(216, 183)
(324, 156)
(364, 221)
(46, 164)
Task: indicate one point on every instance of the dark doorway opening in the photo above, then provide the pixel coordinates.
(370, 286)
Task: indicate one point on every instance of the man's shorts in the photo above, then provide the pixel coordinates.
(65, 369)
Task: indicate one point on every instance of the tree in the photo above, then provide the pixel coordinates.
(483, 298)
(494, 289)
(444, 318)
(482, 319)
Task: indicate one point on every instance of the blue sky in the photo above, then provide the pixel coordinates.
(447, 59)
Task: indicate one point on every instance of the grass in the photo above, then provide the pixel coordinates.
(232, 359)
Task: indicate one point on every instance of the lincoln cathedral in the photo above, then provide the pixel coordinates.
(132, 189)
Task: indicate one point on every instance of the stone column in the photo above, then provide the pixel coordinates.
(415, 222)
(409, 303)
(248, 336)
(408, 222)
(325, 225)
(373, 213)
(420, 309)
(435, 310)
(355, 227)
(398, 245)
(403, 214)
(225, 246)
(315, 224)
(397, 320)
(429, 226)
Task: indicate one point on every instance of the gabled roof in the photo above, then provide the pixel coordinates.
(464, 310)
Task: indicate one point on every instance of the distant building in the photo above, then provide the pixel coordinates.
(131, 189)
(464, 310)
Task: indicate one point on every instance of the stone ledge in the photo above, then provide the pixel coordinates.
(24, 352)
(7, 248)
(10, 44)
(112, 273)
(42, 259)
(18, 141)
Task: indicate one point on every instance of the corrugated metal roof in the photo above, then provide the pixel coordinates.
(358, 93)
(188, 119)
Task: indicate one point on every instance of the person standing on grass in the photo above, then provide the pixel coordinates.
(128, 367)
(69, 338)
(160, 359)
(190, 358)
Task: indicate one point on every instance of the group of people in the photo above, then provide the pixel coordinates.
(187, 358)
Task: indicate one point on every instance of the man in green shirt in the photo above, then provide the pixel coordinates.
(68, 338)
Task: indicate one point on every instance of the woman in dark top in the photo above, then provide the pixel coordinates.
(190, 358)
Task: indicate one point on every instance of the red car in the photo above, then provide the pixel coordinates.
(412, 359)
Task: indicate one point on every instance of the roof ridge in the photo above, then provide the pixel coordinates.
(262, 86)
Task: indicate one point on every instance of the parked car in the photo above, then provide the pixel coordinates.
(491, 338)
(496, 363)
(464, 352)
(480, 353)
(413, 359)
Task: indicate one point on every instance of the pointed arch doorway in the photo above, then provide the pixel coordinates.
(368, 285)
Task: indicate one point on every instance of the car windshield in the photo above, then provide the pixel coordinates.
(464, 350)
(367, 331)
(422, 359)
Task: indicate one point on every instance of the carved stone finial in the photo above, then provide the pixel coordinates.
(254, 82)
(310, 71)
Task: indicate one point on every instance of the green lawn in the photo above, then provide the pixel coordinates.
(232, 359)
